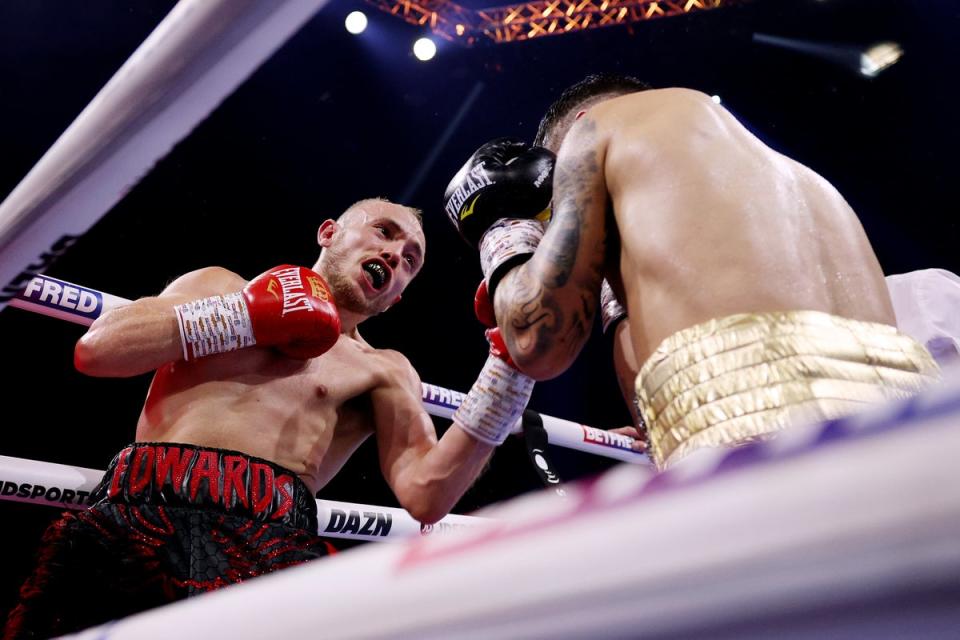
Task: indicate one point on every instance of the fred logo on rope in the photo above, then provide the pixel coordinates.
(441, 397)
(56, 294)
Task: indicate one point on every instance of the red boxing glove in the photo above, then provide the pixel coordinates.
(483, 306)
(291, 308)
(288, 307)
(498, 348)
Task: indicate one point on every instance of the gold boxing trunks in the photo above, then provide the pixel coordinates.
(736, 379)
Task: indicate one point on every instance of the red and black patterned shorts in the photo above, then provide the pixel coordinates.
(169, 521)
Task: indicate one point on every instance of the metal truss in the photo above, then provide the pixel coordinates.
(538, 19)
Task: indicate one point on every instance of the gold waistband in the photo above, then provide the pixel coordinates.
(735, 379)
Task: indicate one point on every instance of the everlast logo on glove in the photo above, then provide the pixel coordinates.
(504, 178)
(474, 180)
(294, 293)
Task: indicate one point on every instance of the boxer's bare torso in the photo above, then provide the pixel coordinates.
(308, 416)
(712, 222)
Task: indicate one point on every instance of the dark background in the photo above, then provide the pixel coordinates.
(333, 118)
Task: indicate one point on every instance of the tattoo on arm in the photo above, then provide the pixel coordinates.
(563, 252)
(551, 301)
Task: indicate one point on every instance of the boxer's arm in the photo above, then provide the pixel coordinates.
(627, 368)
(143, 335)
(614, 315)
(545, 308)
(427, 476)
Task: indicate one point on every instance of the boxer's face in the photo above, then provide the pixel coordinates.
(370, 255)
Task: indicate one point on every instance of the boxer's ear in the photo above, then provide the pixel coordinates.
(326, 232)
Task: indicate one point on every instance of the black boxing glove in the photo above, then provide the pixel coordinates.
(504, 178)
(506, 185)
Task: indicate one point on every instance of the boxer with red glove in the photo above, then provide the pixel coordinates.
(499, 201)
(288, 307)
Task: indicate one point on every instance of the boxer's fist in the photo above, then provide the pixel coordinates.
(483, 306)
(291, 308)
(504, 178)
(498, 348)
(288, 307)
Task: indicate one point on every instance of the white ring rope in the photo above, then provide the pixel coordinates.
(847, 528)
(196, 57)
(69, 487)
(74, 303)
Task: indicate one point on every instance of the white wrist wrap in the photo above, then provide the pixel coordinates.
(495, 402)
(610, 308)
(507, 239)
(214, 325)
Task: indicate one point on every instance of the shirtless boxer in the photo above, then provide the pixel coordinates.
(754, 296)
(262, 392)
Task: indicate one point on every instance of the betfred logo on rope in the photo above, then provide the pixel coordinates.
(55, 294)
(606, 438)
(441, 397)
(441, 527)
(475, 179)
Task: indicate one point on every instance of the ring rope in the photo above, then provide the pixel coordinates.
(67, 301)
(69, 487)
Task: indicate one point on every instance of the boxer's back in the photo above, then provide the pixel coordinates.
(713, 222)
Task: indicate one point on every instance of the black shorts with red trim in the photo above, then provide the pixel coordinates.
(169, 521)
